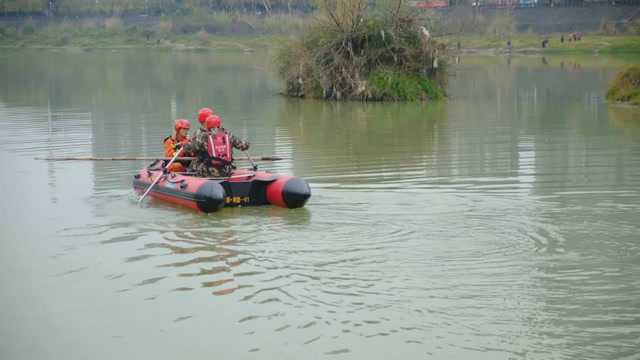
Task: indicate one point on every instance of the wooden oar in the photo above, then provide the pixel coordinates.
(164, 168)
(143, 158)
(253, 165)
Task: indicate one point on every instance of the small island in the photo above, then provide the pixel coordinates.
(354, 51)
(625, 87)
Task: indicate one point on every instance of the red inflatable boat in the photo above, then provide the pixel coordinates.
(242, 188)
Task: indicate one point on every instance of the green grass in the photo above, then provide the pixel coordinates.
(392, 85)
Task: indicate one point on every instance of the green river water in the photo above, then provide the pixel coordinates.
(500, 223)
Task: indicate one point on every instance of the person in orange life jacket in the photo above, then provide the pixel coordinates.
(174, 142)
(213, 149)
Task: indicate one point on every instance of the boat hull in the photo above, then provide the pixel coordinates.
(242, 188)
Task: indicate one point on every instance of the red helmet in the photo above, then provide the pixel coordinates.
(203, 114)
(182, 124)
(213, 121)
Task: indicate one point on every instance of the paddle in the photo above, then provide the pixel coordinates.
(144, 158)
(164, 169)
(253, 165)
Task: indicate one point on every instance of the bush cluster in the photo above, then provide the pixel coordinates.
(352, 52)
(625, 87)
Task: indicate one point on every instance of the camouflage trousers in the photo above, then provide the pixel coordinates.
(202, 169)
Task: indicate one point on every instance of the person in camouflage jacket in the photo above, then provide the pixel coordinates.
(202, 165)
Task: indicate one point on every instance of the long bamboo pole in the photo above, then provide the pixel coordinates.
(143, 158)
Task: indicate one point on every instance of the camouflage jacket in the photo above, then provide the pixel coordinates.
(198, 146)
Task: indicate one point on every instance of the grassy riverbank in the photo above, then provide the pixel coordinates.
(529, 42)
(234, 30)
(212, 30)
(59, 36)
(123, 41)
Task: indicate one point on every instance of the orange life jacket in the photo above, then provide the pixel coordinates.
(170, 143)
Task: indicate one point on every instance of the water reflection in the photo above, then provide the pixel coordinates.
(376, 143)
(624, 117)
